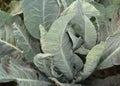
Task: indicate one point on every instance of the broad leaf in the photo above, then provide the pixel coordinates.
(106, 20)
(7, 38)
(79, 18)
(90, 10)
(23, 76)
(4, 17)
(111, 56)
(92, 60)
(37, 12)
(23, 42)
(13, 34)
(43, 62)
(59, 44)
(90, 34)
(86, 27)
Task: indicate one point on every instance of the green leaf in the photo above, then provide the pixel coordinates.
(102, 11)
(82, 50)
(13, 34)
(76, 41)
(7, 49)
(88, 0)
(7, 34)
(79, 18)
(43, 33)
(90, 10)
(69, 2)
(111, 56)
(15, 70)
(64, 3)
(43, 62)
(116, 2)
(111, 2)
(92, 60)
(106, 20)
(23, 76)
(4, 17)
(37, 12)
(90, 34)
(110, 13)
(88, 30)
(58, 43)
(78, 64)
(16, 7)
(23, 38)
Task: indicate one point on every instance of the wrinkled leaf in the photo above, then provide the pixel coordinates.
(92, 60)
(59, 44)
(43, 62)
(23, 76)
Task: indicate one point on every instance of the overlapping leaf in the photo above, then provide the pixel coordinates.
(7, 39)
(14, 36)
(78, 64)
(43, 62)
(23, 39)
(76, 41)
(92, 60)
(37, 12)
(90, 10)
(58, 43)
(23, 76)
(90, 34)
(16, 7)
(106, 20)
(111, 56)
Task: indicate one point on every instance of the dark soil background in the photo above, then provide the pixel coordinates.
(106, 77)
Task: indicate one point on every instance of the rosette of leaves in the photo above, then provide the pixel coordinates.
(70, 36)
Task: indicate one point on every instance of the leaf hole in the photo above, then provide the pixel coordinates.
(110, 19)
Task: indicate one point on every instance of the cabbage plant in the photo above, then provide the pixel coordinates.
(57, 42)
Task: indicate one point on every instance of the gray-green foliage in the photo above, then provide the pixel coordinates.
(60, 41)
(37, 12)
(23, 76)
(92, 59)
